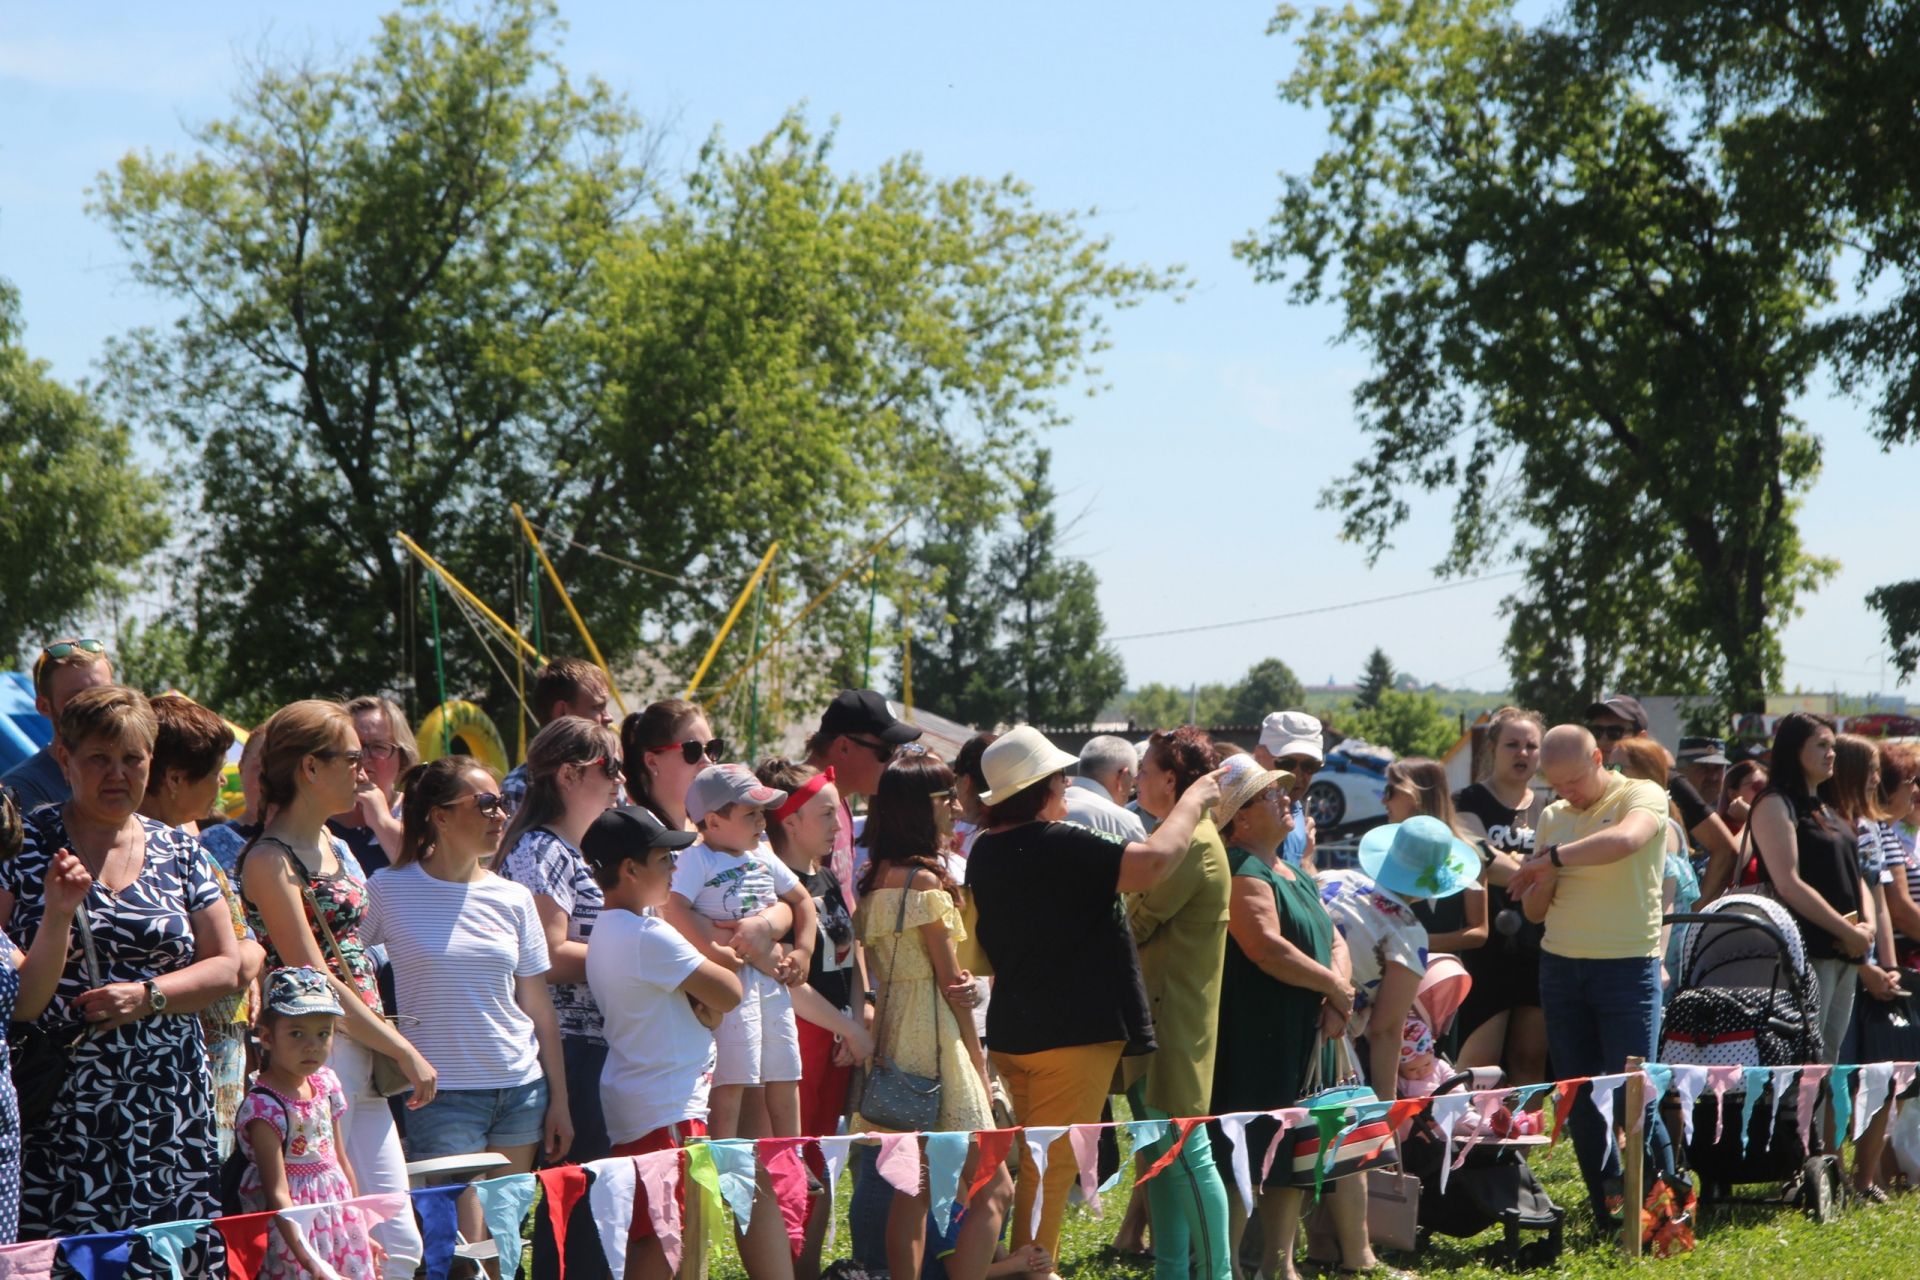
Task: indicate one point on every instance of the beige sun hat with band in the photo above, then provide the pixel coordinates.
(1019, 758)
(1241, 780)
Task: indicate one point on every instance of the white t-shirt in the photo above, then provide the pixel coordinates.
(730, 886)
(457, 950)
(659, 1057)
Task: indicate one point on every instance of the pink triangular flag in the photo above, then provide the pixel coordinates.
(1084, 1139)
(658, 1175)
(1039, 1143)
(1484, 1105)
(1288, 1118)
(899, 1161)
(1721, 1079)
(1810, 1078)
(30, 1261)
(1903, 1073)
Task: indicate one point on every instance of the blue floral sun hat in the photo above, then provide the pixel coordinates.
(1419, 858)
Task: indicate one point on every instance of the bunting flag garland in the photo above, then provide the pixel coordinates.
(1144, 1133)
(1603, 1088)
(1234, 1129)
(659, 1176)
(563, 1187)
(439, 1226)
(1903, 1073)
(1874, 1079)
(899, 1162)
(734, 1161)
(1447, 1110)
(1564, 1093)
(30, 1261)
(1782, 1078)
(1658, 1079)
(1181, 1128)
(1039, 1143)
(611, 1196)
(833, 1154)
(702, 1172)
(1842, 1080)
(946, 1156)
(995, 1146)
(787, 1174)
(1722, 1079)
(167, 1242)
(504, 1203)
(296, 1221)
(1755, 1081)
(98, 1257)
(246, 1237)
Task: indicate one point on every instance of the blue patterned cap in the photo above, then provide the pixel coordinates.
(299, 990)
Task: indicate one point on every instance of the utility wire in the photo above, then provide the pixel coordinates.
(1327, 608)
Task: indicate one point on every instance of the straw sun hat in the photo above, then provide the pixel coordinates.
(1019, 758)
(1243, 780)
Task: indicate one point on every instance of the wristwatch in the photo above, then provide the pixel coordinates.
(156, 999)
(1553, 855)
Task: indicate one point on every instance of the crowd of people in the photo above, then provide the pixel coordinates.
(632, 942)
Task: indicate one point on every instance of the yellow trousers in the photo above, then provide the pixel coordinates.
(1054, 1086)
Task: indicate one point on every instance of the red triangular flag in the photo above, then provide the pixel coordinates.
(1563, 1102)
(1404, 1111)
(994, 1145)
(246, 1235)
(780, 1157)
(1181, 1128)
(562, 1188)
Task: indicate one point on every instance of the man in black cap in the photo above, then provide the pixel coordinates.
(858, 734)
(1704, 763)
(1618, 717)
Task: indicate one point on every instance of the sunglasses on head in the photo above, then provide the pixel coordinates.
(490, 804)
(67, 648)
(693, 752)
(1610, 732)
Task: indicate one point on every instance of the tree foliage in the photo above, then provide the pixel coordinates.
(1578, 328)
(1012, 632)
(1813, 101)
(1375, 680)
(1413, 724)
(441, 279)
(1269, 685)
(76, 511)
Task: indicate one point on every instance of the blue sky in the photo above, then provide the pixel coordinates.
(1196, 472)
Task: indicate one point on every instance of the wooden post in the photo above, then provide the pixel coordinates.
(694, 1244)
(1633, 1159)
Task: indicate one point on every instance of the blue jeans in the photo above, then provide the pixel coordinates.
(459, 1122)
(1600, 1013)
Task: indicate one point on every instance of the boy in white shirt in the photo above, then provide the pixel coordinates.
(729, 875)
(656, 993)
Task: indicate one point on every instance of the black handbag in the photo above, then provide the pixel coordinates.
(40, 1059)
(892, 1098)
(1889, 1029)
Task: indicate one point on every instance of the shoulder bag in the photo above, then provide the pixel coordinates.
(41, 1059)
(1356, 1147)
(388, 1079)
(892, 1098)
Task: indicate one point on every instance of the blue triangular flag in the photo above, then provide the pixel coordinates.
(504, 1202)
(1754, 1079)
(733, 1158)
(98, 1257)
(946, 1153)
(439, 1226)
(169, 1240)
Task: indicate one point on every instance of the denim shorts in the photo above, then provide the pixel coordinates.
(459, 1122)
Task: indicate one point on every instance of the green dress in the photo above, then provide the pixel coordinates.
(1267, 1027)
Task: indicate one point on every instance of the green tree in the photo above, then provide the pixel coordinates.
(77, 511)
(1268, 686)
(1576, 329)
(1161, 706)
(1413, 724)
(1375, 680)
(1823, 91)
(953, 610)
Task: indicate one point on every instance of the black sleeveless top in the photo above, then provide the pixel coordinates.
(1829, 863)
(1507, 832)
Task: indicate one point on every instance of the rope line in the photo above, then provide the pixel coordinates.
(1325, 608)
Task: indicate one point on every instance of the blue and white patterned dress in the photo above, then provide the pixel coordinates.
(130, 1139)
(9, 1110)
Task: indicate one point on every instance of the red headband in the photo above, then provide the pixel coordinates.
(803, 793)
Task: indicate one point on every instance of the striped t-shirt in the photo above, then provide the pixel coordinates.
(457, 950)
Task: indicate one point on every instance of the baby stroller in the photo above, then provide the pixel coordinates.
(1748, 998)
(1494, 1185)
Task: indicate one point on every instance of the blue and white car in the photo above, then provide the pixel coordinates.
(1350, 786)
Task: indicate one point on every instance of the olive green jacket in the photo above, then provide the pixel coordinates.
(1181, 927)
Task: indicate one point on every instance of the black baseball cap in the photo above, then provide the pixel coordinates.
(1628, 709)
(864, 711)
(628, 831)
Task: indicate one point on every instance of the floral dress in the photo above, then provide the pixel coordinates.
(1379, 929)
(338, 1234)
(920, 1033)
(130, 1138)
(343, 902)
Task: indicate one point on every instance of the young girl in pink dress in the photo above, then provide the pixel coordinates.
(290, 1124)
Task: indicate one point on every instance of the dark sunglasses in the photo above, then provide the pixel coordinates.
(694, 752)
(352, 758)
(490, 804)
(1302, 764)
(1610, 732)
(607, 765)
(883, 750)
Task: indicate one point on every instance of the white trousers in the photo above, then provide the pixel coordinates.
(373, 1145)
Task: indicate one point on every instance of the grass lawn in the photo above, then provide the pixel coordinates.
(1751, 1244)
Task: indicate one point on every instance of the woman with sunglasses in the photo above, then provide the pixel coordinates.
(664, 747)
(572, 777)
(306, 898)
(469, 966)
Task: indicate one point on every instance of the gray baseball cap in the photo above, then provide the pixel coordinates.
(719, 785)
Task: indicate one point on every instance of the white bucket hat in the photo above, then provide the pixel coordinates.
(1292, 733)
(1019, 758)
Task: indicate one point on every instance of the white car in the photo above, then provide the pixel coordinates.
(1350, 786)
